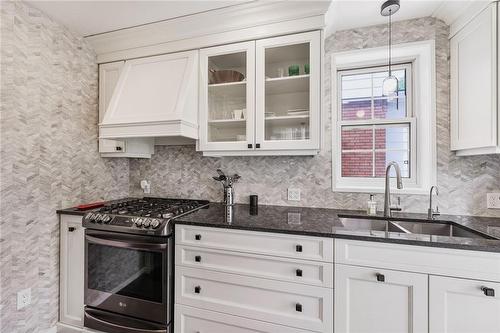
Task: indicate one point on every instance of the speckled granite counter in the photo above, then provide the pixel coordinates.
(326, 223)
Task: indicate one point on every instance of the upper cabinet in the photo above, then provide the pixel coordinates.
(475, 120)
(261, 98)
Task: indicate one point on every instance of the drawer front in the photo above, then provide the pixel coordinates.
(283, 269)
(192, 320)
(273, 244)
(283, 303)
(422, 259)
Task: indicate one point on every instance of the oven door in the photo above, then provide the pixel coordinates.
(127, 274)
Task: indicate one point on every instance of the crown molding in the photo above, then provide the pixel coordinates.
(251, 20)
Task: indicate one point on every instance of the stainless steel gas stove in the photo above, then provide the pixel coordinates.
(129, 264)
(145, 216)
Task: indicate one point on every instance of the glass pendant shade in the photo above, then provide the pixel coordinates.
(390, 86)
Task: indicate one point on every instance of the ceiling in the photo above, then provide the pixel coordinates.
(93, 17)
(349, 14)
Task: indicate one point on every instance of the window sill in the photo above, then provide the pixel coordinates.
(371, 190)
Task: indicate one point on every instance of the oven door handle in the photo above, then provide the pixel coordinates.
(126, 244)
(124, 328)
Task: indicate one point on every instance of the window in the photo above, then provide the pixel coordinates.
(375, 129)
(370, 130)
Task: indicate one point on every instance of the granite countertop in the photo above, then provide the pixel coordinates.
(326, 223)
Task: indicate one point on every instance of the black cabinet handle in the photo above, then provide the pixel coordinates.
(298, 248)
(380, 277)
(197, 237)
(298, 307)
(197, 258)
(197, 289)
(488, 291)
(257, 145)
(250, 145)
(298, 272)
(118, 148)
(71, 229)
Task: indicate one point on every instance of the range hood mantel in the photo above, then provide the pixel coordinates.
(154, 97)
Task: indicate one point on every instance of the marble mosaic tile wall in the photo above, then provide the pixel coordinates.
(463, 182)
(48, 157)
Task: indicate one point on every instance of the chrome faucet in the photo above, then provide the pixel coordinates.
(399, 181)
(431, 213)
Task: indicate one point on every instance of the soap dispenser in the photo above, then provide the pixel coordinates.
(371, 208)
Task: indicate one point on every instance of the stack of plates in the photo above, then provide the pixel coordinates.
(298, 112)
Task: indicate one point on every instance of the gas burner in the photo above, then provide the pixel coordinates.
(144, 216)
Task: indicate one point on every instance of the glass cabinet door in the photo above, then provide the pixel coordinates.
(288, 92)
(227, 97)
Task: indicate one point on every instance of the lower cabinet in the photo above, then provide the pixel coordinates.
(379, 300)
(189, 320)
(72, 254)
(463, 306)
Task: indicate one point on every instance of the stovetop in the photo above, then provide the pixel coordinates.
(148, 215)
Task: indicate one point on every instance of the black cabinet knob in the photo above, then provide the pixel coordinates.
(298, 248)
(118, 148)
(380, 277)
(197, 258)
(257, 145)
(71, 229)
(488, 291)
(298, 307)
(197, 237)
(250, 145)
(197, 289)
(298, 272)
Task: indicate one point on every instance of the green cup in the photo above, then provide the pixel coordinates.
(306, 68)
(293, 70)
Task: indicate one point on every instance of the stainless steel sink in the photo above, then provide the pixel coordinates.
(409, 227)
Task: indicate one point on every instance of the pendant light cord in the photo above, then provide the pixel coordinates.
(390, 40)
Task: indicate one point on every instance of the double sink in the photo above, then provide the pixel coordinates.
(433, 228)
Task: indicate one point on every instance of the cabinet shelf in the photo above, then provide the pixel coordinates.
(287, 84)
(286, 120)
(228, 123)
(233, 89)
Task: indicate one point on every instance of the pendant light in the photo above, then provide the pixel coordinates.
(390, 84)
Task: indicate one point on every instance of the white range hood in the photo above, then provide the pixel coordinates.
(154, 97)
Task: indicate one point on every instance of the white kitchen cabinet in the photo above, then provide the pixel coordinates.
(463, 306)
(72, 254)
(139, 147)
(189, 320)
(281, 107)
(475, 121)
(379, 300)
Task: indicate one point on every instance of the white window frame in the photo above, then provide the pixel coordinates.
(423, 128)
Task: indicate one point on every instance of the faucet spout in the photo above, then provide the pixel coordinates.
(399, 184)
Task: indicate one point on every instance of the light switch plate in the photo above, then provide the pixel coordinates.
(493, 200)
(294, 194)
(23, 298)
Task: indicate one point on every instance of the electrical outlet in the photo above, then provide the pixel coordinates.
(294, 194)
(23, 298)
(493, 200)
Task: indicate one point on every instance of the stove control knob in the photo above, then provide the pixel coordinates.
(155, 223)
(106, 219)
(98, 218)
(146, 223)
(138, 222)
(90, 217)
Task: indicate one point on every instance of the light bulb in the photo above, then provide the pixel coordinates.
(390, 86)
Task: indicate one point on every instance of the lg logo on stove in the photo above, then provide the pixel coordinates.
(122, 305)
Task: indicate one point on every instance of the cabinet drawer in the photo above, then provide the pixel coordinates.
(421, 259)
(189, 320)
(304, 307)
(273, 244)
(283, 269)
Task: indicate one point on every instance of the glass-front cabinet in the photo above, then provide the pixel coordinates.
(227, 97)
(261, 97)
